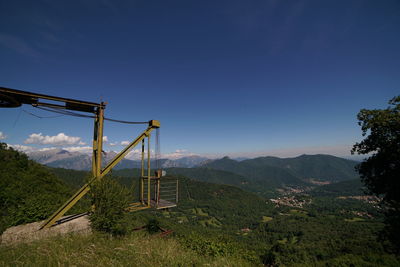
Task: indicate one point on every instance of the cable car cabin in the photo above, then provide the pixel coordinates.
(163, 192)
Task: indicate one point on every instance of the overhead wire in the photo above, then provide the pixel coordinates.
(64, 112)
(70, 113)
(40, 117)
(126, 122)
(74, 114)
(17, 119)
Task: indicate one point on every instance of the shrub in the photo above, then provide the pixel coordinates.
(110, 199)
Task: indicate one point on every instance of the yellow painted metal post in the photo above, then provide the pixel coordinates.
(96, 169)
(97, 142)
(142, 176)
(148, 170)
(94, 147)
(158, 190)
(94, 143)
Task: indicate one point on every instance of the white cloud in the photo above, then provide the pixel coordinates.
(2, 136)
(28, 149)
(105, 138)
(22, 148)
(58, 140)
(125, 143)
(113, 144)
(46, 148)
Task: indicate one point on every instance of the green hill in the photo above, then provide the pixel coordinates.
(320, 167)
(211, 176)
(265, 176)
(344, 188)
(75, 179)
(261, 187)
(29, 192)
(289, 171)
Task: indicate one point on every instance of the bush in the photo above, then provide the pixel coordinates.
(110, 200)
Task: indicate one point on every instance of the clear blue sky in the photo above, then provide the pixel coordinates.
(223, 77)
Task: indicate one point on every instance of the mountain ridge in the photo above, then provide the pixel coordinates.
(267, 172)
(61, 158)
(320, 166)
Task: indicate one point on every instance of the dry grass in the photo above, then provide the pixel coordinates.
(138, 249)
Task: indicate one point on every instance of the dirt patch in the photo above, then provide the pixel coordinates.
(31, 231)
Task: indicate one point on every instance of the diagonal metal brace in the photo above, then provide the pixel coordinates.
(84, 189)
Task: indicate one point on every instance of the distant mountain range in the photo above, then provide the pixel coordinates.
(262, 175)
(60, 158)
(302, 168)
(265, 174)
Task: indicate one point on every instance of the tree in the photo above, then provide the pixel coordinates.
(381, 170)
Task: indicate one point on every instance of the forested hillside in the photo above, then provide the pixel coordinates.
(344, 188)
(320, 167)
(29, 192)
(289, 170)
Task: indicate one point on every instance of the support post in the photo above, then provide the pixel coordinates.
(148, 171)
(98, 142)
(142, 175)
(158, 190)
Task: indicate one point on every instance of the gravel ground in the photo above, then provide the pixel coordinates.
(29, 232)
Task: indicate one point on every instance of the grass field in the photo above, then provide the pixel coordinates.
(138, 249)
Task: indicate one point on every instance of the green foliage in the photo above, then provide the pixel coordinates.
(209, 246)
(29, 192)
(381, 171)
(312, 241)
(73, 178)
(110, 201)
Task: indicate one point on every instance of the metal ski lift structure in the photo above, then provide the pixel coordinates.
(156, 191)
